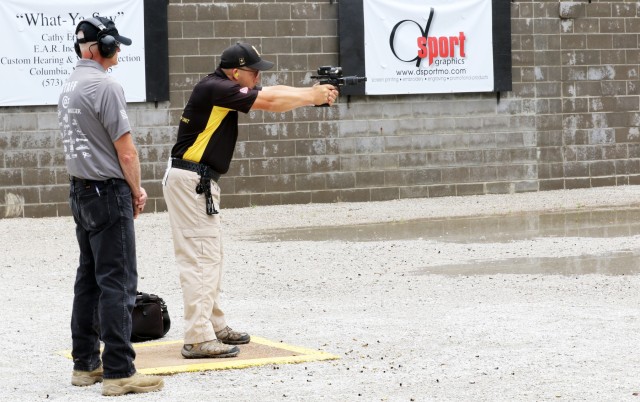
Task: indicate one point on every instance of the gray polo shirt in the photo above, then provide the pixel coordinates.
(92, 116)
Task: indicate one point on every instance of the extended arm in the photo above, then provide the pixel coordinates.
(282, 98)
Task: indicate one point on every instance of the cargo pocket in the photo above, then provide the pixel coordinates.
(204, 243)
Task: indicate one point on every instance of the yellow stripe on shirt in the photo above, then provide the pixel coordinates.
(194, 152)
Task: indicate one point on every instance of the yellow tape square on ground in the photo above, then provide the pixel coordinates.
(163, 357)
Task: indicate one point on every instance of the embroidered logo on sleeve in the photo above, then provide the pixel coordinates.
(244, 90)
(123, 113)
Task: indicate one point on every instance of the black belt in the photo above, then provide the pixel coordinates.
(87, 182)
(200, 168)
(204, 186)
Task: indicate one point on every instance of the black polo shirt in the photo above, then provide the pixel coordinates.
(208, 128)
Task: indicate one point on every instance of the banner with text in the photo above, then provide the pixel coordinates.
(435, 46)
(37, 55)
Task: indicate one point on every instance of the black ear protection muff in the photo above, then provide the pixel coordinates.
(107, 44)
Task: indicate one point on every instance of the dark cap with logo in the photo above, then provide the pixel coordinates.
(243, 55)
(92, 26)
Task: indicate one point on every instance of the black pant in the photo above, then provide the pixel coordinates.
(107, 278)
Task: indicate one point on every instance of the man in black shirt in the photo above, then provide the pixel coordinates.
(207, 136)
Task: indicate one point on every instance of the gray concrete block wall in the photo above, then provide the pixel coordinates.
(571, 121)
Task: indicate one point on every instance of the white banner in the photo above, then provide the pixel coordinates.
(435, 46)
(37, 55)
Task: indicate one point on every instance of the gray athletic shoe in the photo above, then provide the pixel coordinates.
(204, 350)
(231, 337)
(81, 378)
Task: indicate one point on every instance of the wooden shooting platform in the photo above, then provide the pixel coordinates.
(163, 357)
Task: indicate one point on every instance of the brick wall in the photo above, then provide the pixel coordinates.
(572, 119)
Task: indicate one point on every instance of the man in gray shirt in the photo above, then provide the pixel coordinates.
(105, 197)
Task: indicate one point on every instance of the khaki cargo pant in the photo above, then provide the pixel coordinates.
(198, 250)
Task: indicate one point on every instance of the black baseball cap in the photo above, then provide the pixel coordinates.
(92, 26)
(243, 55)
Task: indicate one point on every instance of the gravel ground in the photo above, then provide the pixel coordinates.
(401, 334)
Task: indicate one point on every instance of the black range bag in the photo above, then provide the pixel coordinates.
(150, 318)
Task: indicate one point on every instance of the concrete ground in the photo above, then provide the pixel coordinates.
(487, 298)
